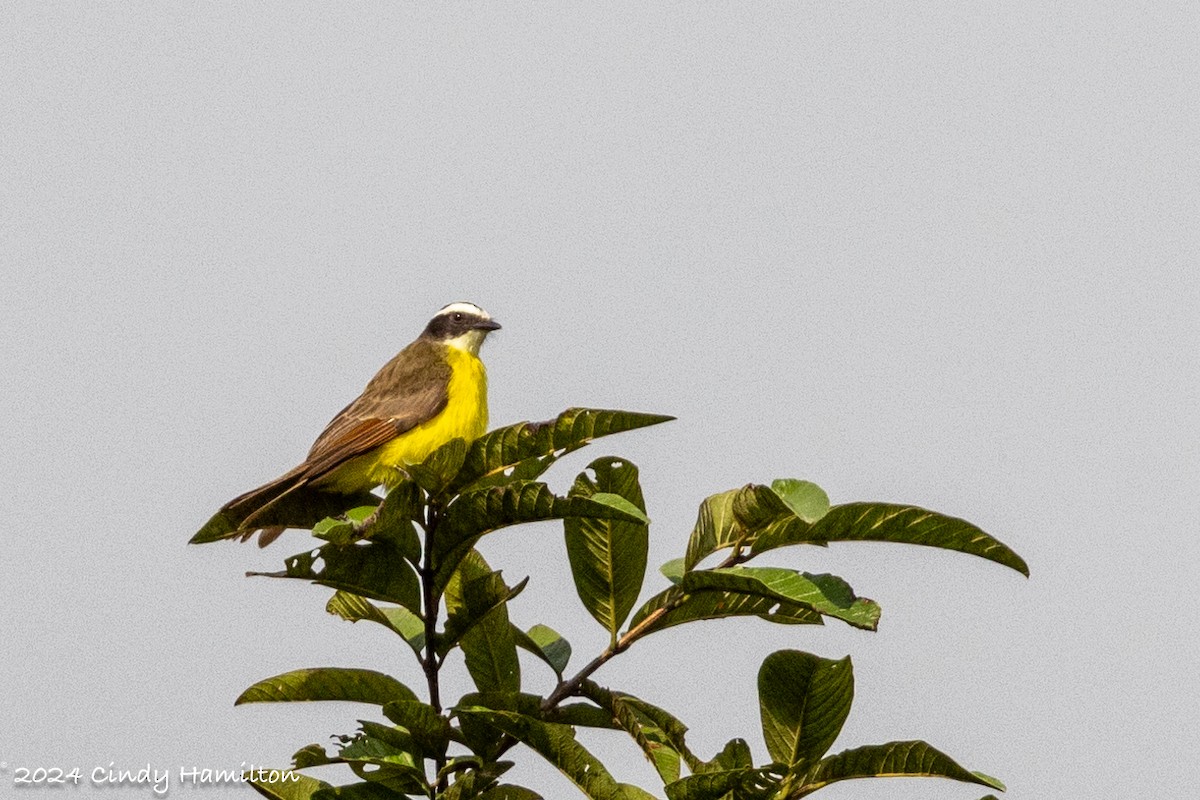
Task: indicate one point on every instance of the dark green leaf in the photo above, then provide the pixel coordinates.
(505, 448)
(487, 643)
(482, 595)
(301, 508)
(654, 728)
(397, 619)
(475, 513)
(428, 728)
(608, 556)
(312, 755)
(581, 715)
(508, 791)
(547, 644)
(885, 522)
(803, 701)
(683, 607)
(556, 743)
(892, 760)
(734, 755)
(485, 740)
(474, 781)
(286, 785)
(328, 683)
(745, 783)
(828, 594)
(357, 791)
(806, 500)
(394, 520)
(374, 569)
(440, 468)
(756, 506)
(715, 528)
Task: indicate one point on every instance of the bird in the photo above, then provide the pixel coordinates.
(431, 392)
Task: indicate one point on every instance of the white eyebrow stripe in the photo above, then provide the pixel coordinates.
(464, 308)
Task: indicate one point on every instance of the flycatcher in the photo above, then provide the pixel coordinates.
(432, 391)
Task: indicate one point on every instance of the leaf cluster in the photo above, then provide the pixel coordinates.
(410, 564)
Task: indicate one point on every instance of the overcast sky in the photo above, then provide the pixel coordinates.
(937, 253)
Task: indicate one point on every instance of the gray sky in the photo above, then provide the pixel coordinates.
(934, 253)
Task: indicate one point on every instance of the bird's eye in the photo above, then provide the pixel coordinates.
(458, 317)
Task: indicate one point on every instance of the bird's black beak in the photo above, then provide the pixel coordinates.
(487, 325)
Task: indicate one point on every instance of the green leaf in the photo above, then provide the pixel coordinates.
(683, 607)
(715, 528)
(341, 530)
(659, 734)
(745, 783)
(673, 570)
(478, 512)
(302, 508)
(475, 602)
(891, 760)
(482, 738)
(485, 594)
(806, 500)
(374, 569)
(399, 620)
(885, 522)
(357, 791)
(284, 784)
(328, 683)
(428, 728)
(312, 755)
(734, 755)
(608, 556)
(581, 715)
(828, 594)
(547, 644)
(474, 781)
(556, 743)
(394, 520)
(804, 701)
(386, 756)
(755, 506)
(436, 473)
(508, 791)
(505, 448)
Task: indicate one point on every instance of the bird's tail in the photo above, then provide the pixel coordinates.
(237, 518)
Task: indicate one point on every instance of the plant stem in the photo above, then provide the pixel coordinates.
(430, 604)
(570, 687)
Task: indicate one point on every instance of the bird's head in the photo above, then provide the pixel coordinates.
(461, 325)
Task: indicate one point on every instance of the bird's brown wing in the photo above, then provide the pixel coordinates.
(410, 389)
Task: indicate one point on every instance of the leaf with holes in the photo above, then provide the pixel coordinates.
(827, 594)
(302, 508)
(505, 448)
(681, 607)
(374, 569)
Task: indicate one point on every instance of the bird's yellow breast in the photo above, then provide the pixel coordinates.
(465, 416)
